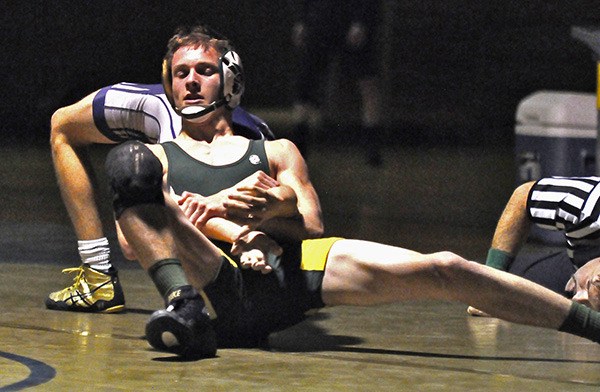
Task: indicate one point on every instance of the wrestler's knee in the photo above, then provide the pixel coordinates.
(134, 175)
(58, 129)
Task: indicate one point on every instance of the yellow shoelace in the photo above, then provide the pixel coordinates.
(79, 276)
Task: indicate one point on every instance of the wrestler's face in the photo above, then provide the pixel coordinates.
(196, 79)
(585, 284)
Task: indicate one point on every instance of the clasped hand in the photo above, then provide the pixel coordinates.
(246, 203)
(255, 248)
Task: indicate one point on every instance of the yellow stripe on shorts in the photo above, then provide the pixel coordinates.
(315, 252)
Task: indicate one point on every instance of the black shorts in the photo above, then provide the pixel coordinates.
(251, 305)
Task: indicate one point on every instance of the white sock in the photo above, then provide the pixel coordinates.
(95, 253)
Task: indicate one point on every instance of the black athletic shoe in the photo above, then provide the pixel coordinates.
(184, 327)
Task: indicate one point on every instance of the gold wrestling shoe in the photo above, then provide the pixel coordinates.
(92, 291)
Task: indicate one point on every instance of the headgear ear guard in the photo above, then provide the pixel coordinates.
(232, 78)
(167, 82)
(230, 91)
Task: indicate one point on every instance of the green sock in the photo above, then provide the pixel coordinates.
(582, 321)
(168, 275)
(499, 259)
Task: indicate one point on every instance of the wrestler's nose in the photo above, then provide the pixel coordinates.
(193, 81)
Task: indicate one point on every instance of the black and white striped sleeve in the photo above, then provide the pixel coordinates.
(566, 203)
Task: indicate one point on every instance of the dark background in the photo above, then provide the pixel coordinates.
(454, 70)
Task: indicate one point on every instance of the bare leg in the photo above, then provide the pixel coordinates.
(366, 273)
(200, 258)
(159, 236)
(155, 232)
(72, 130)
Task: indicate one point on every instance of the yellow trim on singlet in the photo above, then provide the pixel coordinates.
(314, 258)
(315, 252)
(228, 258)
(212, 313)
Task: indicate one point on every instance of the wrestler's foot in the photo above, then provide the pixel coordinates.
(92, 291)
(184, 327)
(476, 312)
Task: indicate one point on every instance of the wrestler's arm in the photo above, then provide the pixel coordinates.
(259, 202)
(219, 228)
(253, 247)
(266, 200)
(230, 229)
(290, 170)
(216, 229)
(290, 209)
(257, 198)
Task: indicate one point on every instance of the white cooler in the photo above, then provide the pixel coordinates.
(555, 136)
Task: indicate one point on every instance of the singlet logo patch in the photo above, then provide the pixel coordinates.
(254, 159)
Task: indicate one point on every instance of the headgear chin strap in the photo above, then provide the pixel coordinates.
(197, 111)
(231, 75)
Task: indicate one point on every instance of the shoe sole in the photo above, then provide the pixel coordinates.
(113, 309)
(165, 332)
(52, 305)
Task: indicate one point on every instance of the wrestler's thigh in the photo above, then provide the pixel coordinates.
(363, 273)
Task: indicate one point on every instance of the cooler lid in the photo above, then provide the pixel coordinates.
(559, 108)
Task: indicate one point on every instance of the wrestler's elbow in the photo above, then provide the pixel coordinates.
(315, 228)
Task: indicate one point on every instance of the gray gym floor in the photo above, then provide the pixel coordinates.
(426, 199)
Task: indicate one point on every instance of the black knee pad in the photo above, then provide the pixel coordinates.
(134, 175)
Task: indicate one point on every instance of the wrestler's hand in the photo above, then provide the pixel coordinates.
(256, 260)
(251, 206)
(255, 248)
(246, 199)
(249, 202)
(199, 209)
(258, 179)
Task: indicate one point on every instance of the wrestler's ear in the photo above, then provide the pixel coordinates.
(570, 286)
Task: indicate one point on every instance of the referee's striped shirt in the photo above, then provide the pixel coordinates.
(569, 204)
